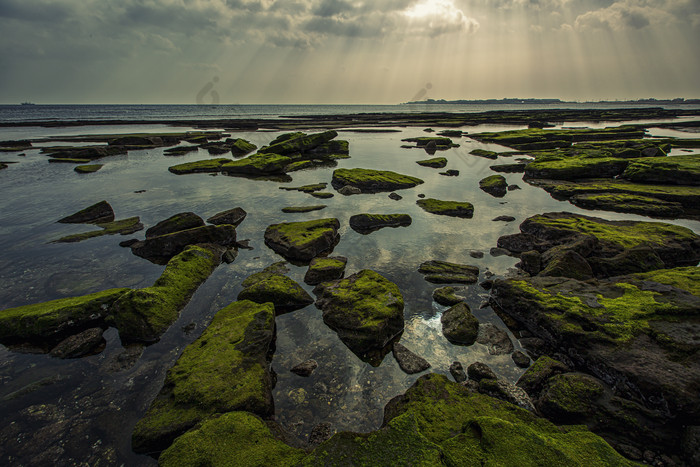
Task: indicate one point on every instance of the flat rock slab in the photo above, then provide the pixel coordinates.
(495, 338)
(303, 241)
(231, 216)
(176, 223)
(372, 181)
(368, 223)
(409, 362)
(160, 249)
(365, 309)
(325, 269)
(443, 272)
(226, 369)
(462, 209)
(97, 213)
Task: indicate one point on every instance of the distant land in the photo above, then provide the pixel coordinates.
(516, 101)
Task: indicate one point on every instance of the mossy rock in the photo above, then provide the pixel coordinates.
(570, 397)
(162, 248)
(258, 164)
(101, 212)
(459, 325)
(535, 377)
(438, 142)
(322, 194)
(564, 262)
(203, 166)
(180, 150)
(325, 269)
(534, 138)
(306, 188)
(122, 227)
(66, 161)
(509, 168)
(368, 223)
(365, 309)
(444, 272)
(495, 185)
(372, 181)
(232, 439)
(241, 147)
(484, 153)
(447, 296)
(284, 293)
(299, 142)
(231, 216)
(48, 323)
(574, 168)
(302, 241)
(435, 162)
(635, 204)
(475, 429)
(176, 223)
(144, 314)
(88, 169)
(301, 209)
(676, 170)
(447, 208)
(226, 369)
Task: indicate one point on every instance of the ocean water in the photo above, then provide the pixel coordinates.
(84, 410)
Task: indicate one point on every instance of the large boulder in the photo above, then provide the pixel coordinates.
(226, 369)
(365, 309)
(459, 325)
(161, 248)
(303, 241)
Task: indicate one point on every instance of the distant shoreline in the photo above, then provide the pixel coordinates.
(517, 101)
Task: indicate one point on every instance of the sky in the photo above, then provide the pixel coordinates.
(345, 51)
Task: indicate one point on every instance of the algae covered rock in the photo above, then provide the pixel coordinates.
(534, 378)
(435, 162)
(570, 397)
(203, 166)
(495, 185)
(161, 248)
(101, 212)
(122, 227)
(226, 369)
(635, 204)
(447, 296)
(302, 209)
(284, 293)
(365, 309)
(447, 208)
(258, 164)
(176, 223)
(676, 170)
(303, 241)
(367, 223)
(88, 342)
(325, 269)
(234, 439)
(444, 272)
(88, 169)
(459, 325)
(372, 181)
(144, 314)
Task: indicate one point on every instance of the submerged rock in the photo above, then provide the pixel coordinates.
(88, 342)
(478, 371)
(443, 272)
(484, 153)
(447, 208)
(302, 209)
(203, 166)
(372, 181)
(176, 223)
(88, 169)
(409, 362)
(226, 369)
(303, 241)
(365, 309)
(368, 223)
(459, 325)
(98, 213)
(258, 164)
(457, 372)
(325, 269)
(447, 296)
(305, 368)
(435, 162)
(122, 227)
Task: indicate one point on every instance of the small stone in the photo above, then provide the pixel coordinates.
(496, 252)
(128, 243)
(233, 216)
(520, 359)
(447, 296)
(349, 190)
(421, 195)
(450, 173)
(476, 254)
(409, 362)
(478, 371)
(320, 433)
(457, 372)
(513, 187)
(88, 342)
(305, 368)
(229, 255)
(495, 338)
(503, 219)
(395, 196)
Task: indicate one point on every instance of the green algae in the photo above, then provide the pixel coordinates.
(298, 142)
(203, 166)
(442, 272)
(435, 162)
(232, 439)
(144, 314)
(570, 396)
(123, 227)
(369, 180)
(462, 209)
(56, 318)
(258, 164)
(675, 170)
(240, 147)
(88, 169)
(447, 296)
(495, 185)
(484, 153)
(623, 202)
(573, 168)
(224, 370)
(521, 139)
(285, 293)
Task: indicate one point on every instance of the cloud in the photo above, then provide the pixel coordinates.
(638, 14)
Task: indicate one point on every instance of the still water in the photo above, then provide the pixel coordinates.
(83, 411)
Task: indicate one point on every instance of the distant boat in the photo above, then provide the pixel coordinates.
(28, 103)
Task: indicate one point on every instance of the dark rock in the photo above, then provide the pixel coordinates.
(443, 272)
(325, 269)
(450, 173)
(88, 342)
(486, 285)
(229, 255)
(509, 168)
(270, 287)
(495, 185)
(506, 391)
(350, 190)
(128, 243)
(322, 194)
(459, 325)
(409, 362)
(160, 249)
(320, 433)
(305, 368)
(367, 223)
(457, 372)
(566, 263)
(520, 359)
(421, 195)
(503, 218)
(629, 261)
(513, 187)
(395, 196)
(476, 254)
(435, 163)
(690, 444)
(530, 262)
(478, 371)
(303, 241)
(233, 216)
(372, 181)
(176, 223)
(497, 251)
(570, 397)
(96, 214)
(447, 296)
(495, 338)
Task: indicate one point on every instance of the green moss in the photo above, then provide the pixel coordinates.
(435, 162)
(123, 227)
(233, 439)
(69, 160)
(306, 188)
(240, 147)
(52, 319)
(447, 296)
(258, 164)
(447, 208)
(88, 169)
(519, 138)
(676, 170)
(440, 141)
(298, 209)
(573, 168)
(327, 263)
(300, 233)
(322, 194)
(570, 395)
(623, 202)
(299, 142)
(144, 314)
(441, 272)
(373, 180)
(206, 165)
(484, 153)
(280, 290)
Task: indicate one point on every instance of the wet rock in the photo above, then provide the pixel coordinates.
(128, 243)
(566, 263)
(503, 219)
(633, 260)
(232, 357)
(447, 296)
(509, 168)
(690, 444)
(322, 194)
(395, 196)
(162, 248)
(302, 209)
(367, 223)
(122, 227)
(176, 223)
(513, 187)
(305, 368)
(258, 164)
(409, 362)
(269, 287)
(476, 254)
(232, 216)
(88, 342)
(365, 309)
(88, 169)
(203, 166)
(495, 338)
(461, 209)
(530, 262)
(506, 391)
(478, 371)
(520, 359)
(98, 213)
(125, 359)
(320, 433)
(302, 241)
(229, 256)
(570, 397)
(459, 325)
(443, 272)
(349, 190)
(450, 173)
(435, 162)
(484, 153)
(496, 252)
(372, 181)
(325, 269)
(457, 372)
(495, 185)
